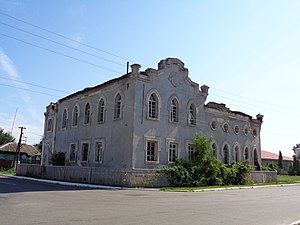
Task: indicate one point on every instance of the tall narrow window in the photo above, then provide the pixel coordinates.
(152, 151)
(255, 157)
(214, 149)
(101, 111)
(225, 154)
(87, 114)
(118, 106)
(64, 119)
(191, 152)
(246, 154)
(99, 151)
(72, 152)
(174, 111)
(49, 124)
(75, 116)
(236, 153)
(153, 107)
(192, 114)
(85, 152)
(173, 152)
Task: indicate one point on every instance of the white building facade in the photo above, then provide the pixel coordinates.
(144, 120)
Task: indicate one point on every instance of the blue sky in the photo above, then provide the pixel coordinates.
(247, 52)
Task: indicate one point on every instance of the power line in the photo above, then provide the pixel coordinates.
(70, 39)
(39, 36)
(252, 99)
(62, 54)
(35, 85)
(25, 89)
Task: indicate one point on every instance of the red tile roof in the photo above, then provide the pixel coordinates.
(271, 155)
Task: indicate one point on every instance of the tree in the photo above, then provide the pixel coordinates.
(280, 165)
(58, 159)
(5, 137)
(39, 145)
(294, 170)
(295, 147)
(280, 158)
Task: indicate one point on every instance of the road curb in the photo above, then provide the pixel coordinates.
(104, 187)
(295, 223)
(95, 186)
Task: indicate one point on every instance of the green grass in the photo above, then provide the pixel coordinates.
(281, 179)
(6, 171)
(285, 179)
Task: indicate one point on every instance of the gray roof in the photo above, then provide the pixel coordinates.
(12, 146)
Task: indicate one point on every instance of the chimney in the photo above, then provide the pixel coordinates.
(135, 68)
(259, 117)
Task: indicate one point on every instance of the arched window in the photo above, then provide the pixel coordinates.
(153, 107)
(101, 111)
(236, 153)
(246, 157)
(87, 114)
(226, 154)
(64, 119)
(174, 111)
(255, 157)
(75, 116)
(192, 114)
(214, 149)
(118, 107)
(49, 124)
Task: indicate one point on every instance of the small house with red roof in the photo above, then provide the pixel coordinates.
(269, 157)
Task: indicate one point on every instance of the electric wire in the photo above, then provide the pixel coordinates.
(106, 59)
(47, 39)
(62, 54)
(26, 89)
(35, 85)
(252, 99)
(65, 37)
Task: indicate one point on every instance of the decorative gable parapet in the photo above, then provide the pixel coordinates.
(169, 62)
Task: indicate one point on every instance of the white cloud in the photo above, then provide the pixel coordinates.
(7, 65)
(9, 69)
(78, 38)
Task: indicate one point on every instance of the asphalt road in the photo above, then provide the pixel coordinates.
(24, 202)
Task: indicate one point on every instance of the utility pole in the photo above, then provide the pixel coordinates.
(16, 160)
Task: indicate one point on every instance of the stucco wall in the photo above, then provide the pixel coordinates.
(263, 176)
(94, 175)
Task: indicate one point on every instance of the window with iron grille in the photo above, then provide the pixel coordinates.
(152, 151)
(174, 111)
(192, 115)
(191, 152)
(101, 111)
(75, 116)
(173, 152)
(64, 119)
(87, 114)
(85, 152)
(73, 152)
(99, 148)
(118, 105)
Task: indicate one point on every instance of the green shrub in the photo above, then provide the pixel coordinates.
(205, 169)
(58, 159)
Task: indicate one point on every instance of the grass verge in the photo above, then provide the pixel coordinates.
(10, 171)
(281, 179)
